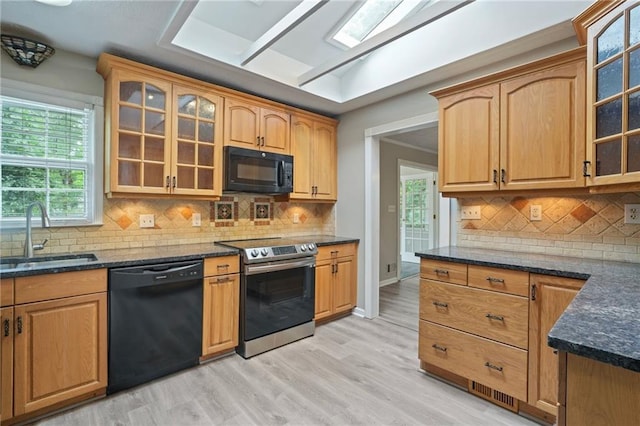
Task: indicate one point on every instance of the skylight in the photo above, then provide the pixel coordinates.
(373, 17)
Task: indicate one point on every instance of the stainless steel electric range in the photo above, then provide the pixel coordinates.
(277, 292)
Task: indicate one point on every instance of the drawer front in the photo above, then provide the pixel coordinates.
(450, 272)
(496, 316)
(38, 288)
(501, 280)
(493, 364)
(335, 251)
(221, 265)
(6, 291)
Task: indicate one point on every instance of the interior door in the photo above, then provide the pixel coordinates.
(417, 226)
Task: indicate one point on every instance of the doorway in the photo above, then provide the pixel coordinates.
(418, 219)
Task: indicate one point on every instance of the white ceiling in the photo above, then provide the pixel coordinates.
(209, 39)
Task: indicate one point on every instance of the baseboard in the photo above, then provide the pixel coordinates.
(359, 312)
(388, 282)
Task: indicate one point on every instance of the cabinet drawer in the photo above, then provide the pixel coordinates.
(335, 251)
(498, 279)
(6, 291)
(37, 288)
(221, 265)
(493, 364)
(455, 273)
(489, 314)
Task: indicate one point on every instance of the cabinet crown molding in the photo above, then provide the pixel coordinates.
(590, 15)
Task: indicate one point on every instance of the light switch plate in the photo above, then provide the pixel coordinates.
(196, 219)
(535, 213)
(147, 221)
(632, 213)
(470, 213)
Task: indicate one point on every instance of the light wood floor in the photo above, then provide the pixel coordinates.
(353, 371)
(399, 303)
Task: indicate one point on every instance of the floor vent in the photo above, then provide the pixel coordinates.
(497, 397)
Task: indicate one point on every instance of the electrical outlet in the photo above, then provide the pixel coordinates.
(296, 218)
(535, 213)
(196, 219)
(147, 221)
(470, 213)
(632, 213)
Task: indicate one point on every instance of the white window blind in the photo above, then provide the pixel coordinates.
(47, 155)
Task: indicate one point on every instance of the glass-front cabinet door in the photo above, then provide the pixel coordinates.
(139, 133)
(613, 127)
(197, 135)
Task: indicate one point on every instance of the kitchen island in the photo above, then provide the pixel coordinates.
(601, 324)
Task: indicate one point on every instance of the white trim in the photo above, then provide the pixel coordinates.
(407, 145)
(358, 312)
(371, 239)
(388, 282)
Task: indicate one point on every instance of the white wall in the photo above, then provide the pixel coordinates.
(64, 71)
(389, 156)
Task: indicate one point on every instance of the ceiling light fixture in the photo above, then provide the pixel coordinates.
(25, 51)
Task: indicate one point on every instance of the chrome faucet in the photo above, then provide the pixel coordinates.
(28, 244)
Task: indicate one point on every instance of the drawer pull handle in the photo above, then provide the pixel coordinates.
(441, 305)
(225, 266)
(439, 348)
(495, 317)
(494, 280)
(493, 367)
(441, 271)
(6, 328)
(19, 324)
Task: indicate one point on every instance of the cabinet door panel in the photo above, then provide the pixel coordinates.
(6, 363)
(324, 160)
(221, 313)
(302, 151)
(324, 283)
(553, 295)
(543, 129)
(274, 131)
(241, 124)
(342, 297)
(468, 140)
(197, 142)
(61, 352)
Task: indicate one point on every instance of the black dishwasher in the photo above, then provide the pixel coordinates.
(155, 321)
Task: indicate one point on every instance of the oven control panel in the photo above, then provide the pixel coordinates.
(264, 254)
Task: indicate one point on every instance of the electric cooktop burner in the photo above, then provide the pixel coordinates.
(272, 249)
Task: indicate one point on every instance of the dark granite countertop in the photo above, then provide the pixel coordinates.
(156, 254)
(603, 320)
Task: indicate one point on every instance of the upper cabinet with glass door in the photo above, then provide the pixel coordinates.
(611, 31)
(163, 137)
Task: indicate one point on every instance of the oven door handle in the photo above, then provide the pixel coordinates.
(279, 266)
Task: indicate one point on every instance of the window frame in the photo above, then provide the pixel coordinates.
(95, 146)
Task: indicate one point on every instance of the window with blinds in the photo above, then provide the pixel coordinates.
(46, 155)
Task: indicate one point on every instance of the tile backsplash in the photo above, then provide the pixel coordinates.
(590, 226)
(239, 216)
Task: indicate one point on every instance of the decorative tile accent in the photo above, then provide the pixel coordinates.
(261, 210)
(124, 222)
(583, 213)
(225, 212)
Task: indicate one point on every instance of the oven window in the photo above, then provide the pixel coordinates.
(251, 170)
(275, 301)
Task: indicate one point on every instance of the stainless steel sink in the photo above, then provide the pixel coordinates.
(21, 263)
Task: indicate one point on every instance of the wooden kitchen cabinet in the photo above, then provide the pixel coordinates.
(336, 280)
(6, 363)
(550, 296)
(518, 129)
(54, 342)
(313, 146)
(163, 136)
(611, 32)
(474, 324)
(6, 291)
(221, 310)
(248, 124)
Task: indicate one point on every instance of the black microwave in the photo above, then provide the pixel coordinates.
(248, 170)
